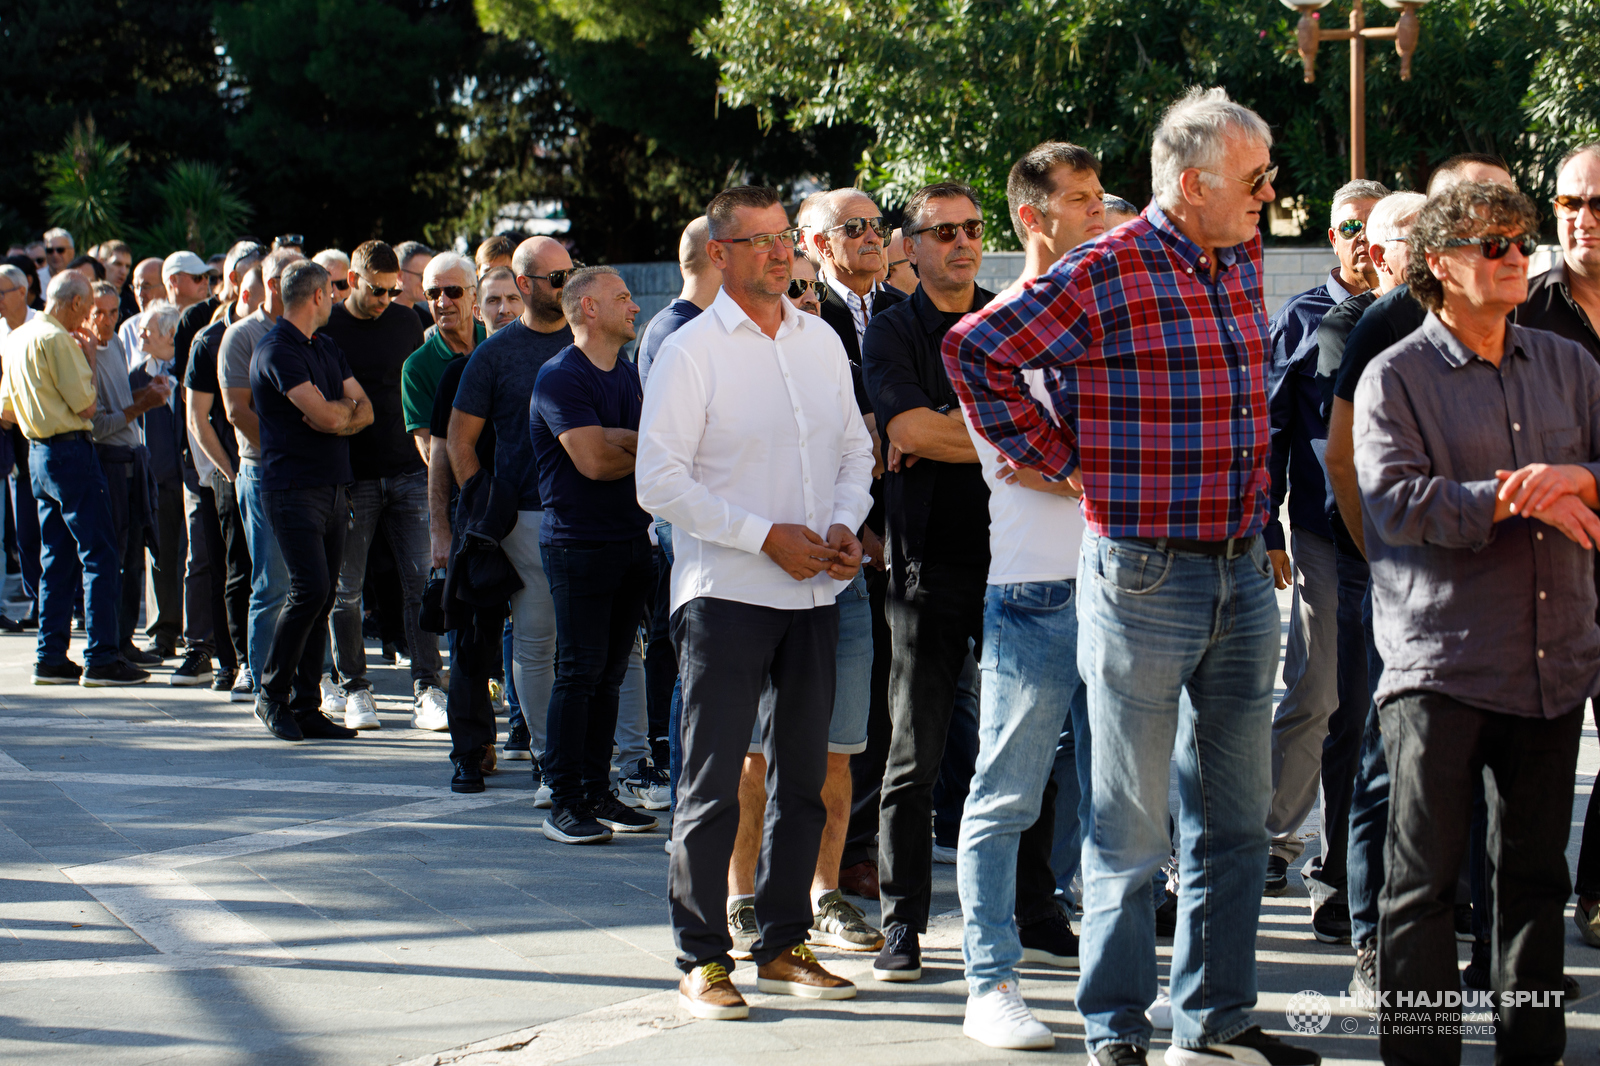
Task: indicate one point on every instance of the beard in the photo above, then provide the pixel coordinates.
(544, 307)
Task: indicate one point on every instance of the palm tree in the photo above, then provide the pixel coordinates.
(86, 184)
(201, 212)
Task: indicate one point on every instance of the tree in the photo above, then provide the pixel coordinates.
(1564, 95)
(201, 213)
(86, 186)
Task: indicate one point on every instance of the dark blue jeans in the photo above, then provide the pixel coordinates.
(1369, 805)
(26, 514)
(310, 525)
(77, 543)
(599, 589)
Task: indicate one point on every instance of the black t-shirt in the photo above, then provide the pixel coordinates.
(293, 455)
(424, 317)
(959, 517)
(376, 349)
(444, 401)
(572, 393)
(1332, 333)
(1550, 306)
(201, 376)
(194, 319)
(1386, 323)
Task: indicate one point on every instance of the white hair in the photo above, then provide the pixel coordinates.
(829, 208)
(59, 232)
(66, 287)
(160, 317)
(1194, 132)
(451, 260)
(1354, 192)
(333, 261)
(13, 275)
(1393, 216)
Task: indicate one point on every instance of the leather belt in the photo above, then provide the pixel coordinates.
(1232, 548)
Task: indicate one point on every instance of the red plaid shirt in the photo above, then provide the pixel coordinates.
(1158, 375)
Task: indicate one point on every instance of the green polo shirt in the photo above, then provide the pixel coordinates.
(419, 378)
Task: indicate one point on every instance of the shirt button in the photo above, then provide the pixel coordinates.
(1188, 270)
(1541, 653)
(1538, 535)
(1541, 594)
(1244, 410)
(1517, 426)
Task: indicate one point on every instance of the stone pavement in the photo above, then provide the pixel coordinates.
(179, 887)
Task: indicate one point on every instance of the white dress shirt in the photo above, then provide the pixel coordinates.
(129, 336)
(741, 431)
(5, 327)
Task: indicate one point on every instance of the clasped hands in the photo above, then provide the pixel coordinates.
(1560, 496)
(803, 555)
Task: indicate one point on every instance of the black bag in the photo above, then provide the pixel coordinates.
(431, 618)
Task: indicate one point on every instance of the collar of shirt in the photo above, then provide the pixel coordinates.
(1185, 249)
(1336, 290)
(932, 318)
(1457, 354)
(851, 300)
(732, 316)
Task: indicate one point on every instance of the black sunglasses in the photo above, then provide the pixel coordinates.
(38, 260)
(946, 231)
(1567, 206)
(556, 278)
(63, 250)
(376, 290)
(340, 285)
(1255, 183)
(798, 287)
(855, 227)
(1497, 247)
(455, 292)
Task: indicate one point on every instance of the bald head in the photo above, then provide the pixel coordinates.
(147, 284)
(69, 299)
(692, 258)
(1470, 166)
(533, 261)
(538, 255)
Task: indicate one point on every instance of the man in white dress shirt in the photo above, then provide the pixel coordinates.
(751, 445)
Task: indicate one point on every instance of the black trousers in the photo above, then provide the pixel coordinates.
(1438, 749)
(867, 766)
(166, 572)
(130, 548)
(728, 652)
(932, 619)
(476, 652)
(235, 567)
(310, 525)
(660, 659)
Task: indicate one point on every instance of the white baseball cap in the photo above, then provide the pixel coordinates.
(184, 262)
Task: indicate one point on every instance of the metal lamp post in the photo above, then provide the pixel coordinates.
(1310, 34)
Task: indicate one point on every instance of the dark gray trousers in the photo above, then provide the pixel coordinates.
(1437, 748)
(727, 654)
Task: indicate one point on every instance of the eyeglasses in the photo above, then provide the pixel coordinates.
(1497, 247)
(62, 250)
(855, 227)
(798, 287)
(455, 292)
(946, 231)
(376, 290)
(556, 278)
(340, 285)
(14, 288)
(1256, 183)
(763, 242)
(1567, 206)
(1351, 228)
(897, 262)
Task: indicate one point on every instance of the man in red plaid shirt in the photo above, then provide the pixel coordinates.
(1153, 345)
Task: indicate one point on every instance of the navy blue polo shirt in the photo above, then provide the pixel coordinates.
(293, 455)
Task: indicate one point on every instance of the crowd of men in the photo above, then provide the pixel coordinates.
(856, 566)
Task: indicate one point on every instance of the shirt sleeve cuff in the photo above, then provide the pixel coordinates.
(753, 534)
(1272, 536)
(1477, 512)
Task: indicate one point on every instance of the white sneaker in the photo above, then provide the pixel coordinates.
(360, 711)
(333, 697)
(1159, 1013)
(1000, 1019)
(429, 711)
(542, 796)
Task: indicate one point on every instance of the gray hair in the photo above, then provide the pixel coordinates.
(59, 232)
(301, 281)
(577, 286)
(1352, 191)
(1115, 203)
(273, 266)
(404, 252)
(1393, 216)
(102, 288)
(1194, 133)
(161, 317)
(829, 208)
(66, 287)
(450, 261)
(13, 275)
(331, 260)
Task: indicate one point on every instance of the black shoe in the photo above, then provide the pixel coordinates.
(194, 670)
(113, 674)
(612, 813)
(1464, 923)
(66, 673)
(1050, 941)
(574, 825)
(139, 658)
(1475, 974)
(320, 726)
(11, 625)
(901, 957)
(469, 775)
(1252, 1045)
(1570, 988)
(1121, 1055)
(224, 679)
(165, 651)
(276, 717)
(1330, 923)
(1167, 916)
(1364, 978)
(1277, 876)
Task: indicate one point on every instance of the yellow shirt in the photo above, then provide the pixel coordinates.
(46, 379)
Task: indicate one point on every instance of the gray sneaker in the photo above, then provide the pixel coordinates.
(841, 924)
(742, 926)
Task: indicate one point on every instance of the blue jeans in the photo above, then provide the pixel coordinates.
(1071, 772)
(1154, 623)
(269, 577)
(1369, 806)
(1030, 683)
(513, 705)
(79, 550)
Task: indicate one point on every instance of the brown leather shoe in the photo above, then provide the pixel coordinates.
(706, 992)
(798, 973)
(860, 879)
(490, 760)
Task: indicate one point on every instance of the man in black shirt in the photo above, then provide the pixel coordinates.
(390, 491)
(938, 530)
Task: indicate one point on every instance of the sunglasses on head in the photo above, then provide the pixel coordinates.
(1351, 228)
(763, 242)
(1567, 206)
(455, 292)
(946, 231)
(855, 227)
(287, 239)
(376, 290)
(798, 287)
(1497, 247)
(556, 278)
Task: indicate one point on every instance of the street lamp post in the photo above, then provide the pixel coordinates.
(1310, 34)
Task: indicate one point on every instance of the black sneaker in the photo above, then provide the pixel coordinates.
(1167, 916)
(161, 650)
(1121, 1055)
(113, 674)
(11, 625)
(66, 673)
(469, 775)
(1476, 973)
(1365, 976)
(519, 745)
(612, 813)
(1051, 942)
(1464, 923)
(1330, 923)
(315, 724)
(223, 681)
(901, 957)
(1277, 876)
(244, 688)
(194, 670)
(1252, 1045)
(276, 717)
(569, 825)
(139, 658)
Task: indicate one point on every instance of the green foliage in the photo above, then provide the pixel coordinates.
(201, 212)
(1564, 97)
(86, 186)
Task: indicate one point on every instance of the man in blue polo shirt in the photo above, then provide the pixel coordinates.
(584, 423)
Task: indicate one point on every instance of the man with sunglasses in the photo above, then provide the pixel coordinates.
(389, 496)
(35, 251)
(59, 250)
(848, 244)
(1477, 445)
(441, 346)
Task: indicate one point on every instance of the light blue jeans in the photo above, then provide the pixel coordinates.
(1154, 623)
(1029, 686)
(269, 577)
